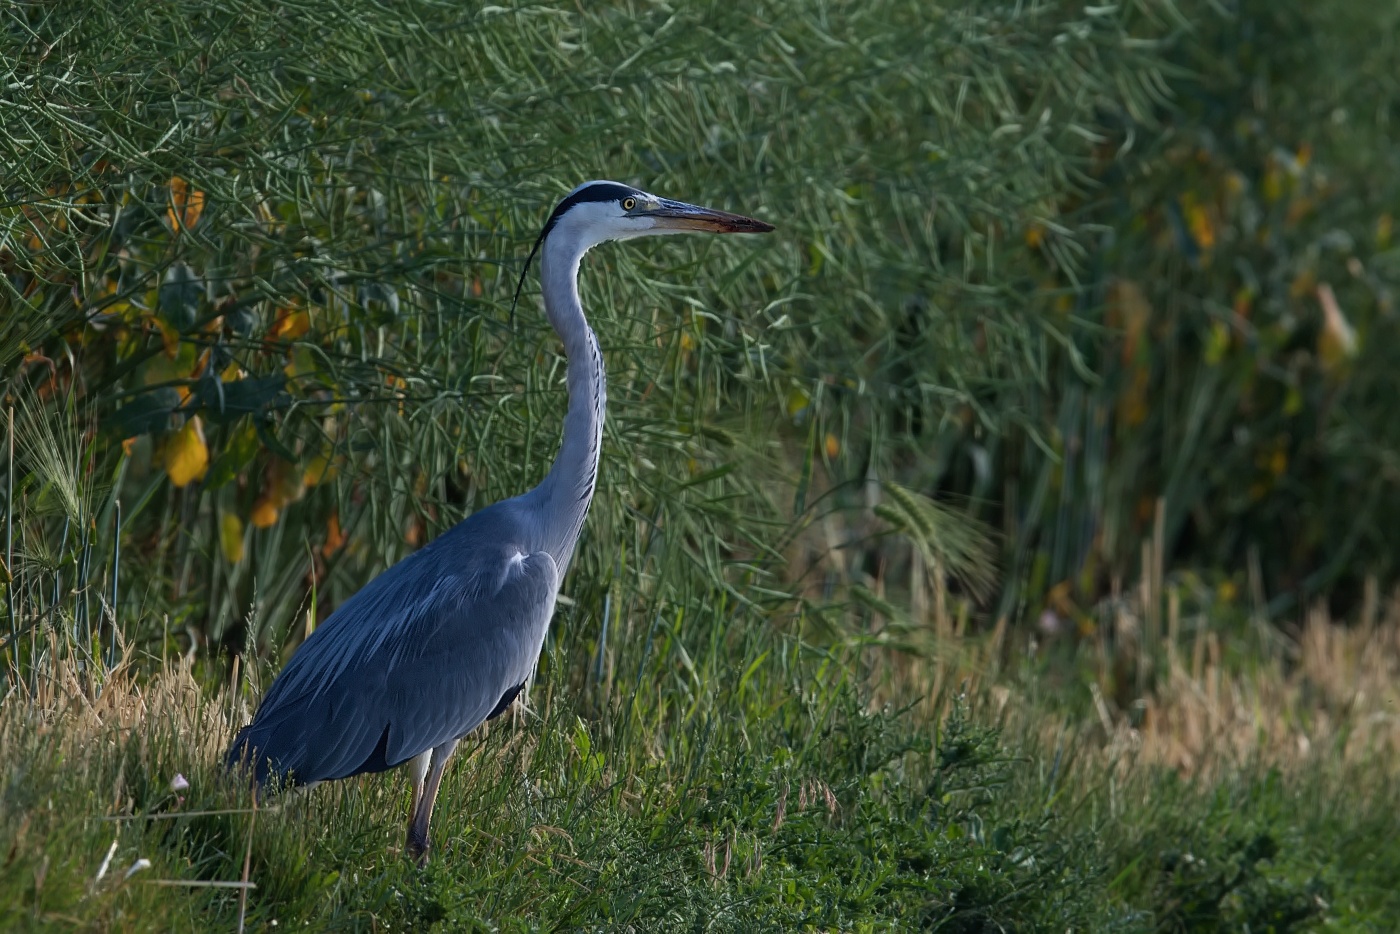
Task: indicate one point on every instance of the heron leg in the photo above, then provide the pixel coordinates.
(417, 771)
(418, 842)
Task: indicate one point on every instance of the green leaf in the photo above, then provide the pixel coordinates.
(180, 293)
(147, 412)
(237, 454)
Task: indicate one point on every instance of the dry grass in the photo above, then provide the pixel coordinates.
(96, 802)
(1204, 692)
(1336, 694)
(78, 715)
(1329, 693)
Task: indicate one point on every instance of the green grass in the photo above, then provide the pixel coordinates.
(784, 803)
(1031, 392)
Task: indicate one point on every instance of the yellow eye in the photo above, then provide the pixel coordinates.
(629, 203)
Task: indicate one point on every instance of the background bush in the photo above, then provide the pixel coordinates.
(273, 252)
(1064, 299)
(1056, 265)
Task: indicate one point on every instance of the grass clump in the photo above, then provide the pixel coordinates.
(1044, 268)
(787, 803)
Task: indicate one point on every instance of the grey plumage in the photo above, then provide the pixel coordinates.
(445, 639)
(418, 657)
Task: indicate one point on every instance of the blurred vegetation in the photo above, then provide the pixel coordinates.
(1249, 284)
(1111, 275)
(1079, 327)
(269, 252)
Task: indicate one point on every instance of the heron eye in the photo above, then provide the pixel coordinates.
(629, 203)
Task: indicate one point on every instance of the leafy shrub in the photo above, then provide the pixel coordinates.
(269, 250)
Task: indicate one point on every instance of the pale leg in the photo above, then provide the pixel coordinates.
(418, 842)
(417, 771)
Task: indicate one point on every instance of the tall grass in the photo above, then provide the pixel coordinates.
(780, 797)
(757, 780)
(291, 241)
(885, 615)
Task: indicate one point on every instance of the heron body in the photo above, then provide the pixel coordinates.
(445, 639)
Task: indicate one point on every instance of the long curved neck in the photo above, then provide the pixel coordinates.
(562, 498)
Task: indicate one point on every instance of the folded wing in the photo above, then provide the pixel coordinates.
(420, 656)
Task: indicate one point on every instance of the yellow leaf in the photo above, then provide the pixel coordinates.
(1293, 401)
(290, 487)
(169, 337)
(1217, 344)
(1336, 343)
(1129, 309)
(1244, 303)
(282, 486)
(1202, 226)
(319, 471)
(833, 446)
(797, 400)
(186, 454)
(186, 204)
(301, 362)
(231, 538)
(334, 536)
(291, 323)
(264, 514)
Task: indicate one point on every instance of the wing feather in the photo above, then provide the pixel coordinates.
(420, 656)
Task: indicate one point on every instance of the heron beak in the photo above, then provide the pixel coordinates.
(677, 215)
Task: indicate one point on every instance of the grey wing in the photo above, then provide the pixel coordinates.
(421, 659)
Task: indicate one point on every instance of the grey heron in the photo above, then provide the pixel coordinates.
(445, 639)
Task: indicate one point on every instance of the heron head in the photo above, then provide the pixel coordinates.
(596, 212)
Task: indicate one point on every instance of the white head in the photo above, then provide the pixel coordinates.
(596, 212)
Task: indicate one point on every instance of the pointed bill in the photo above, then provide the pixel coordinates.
(677, 215)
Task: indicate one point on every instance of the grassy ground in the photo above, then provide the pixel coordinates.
(782, 797)
(960, 551)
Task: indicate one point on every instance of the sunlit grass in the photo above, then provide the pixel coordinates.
(786, 801)
(792, 684)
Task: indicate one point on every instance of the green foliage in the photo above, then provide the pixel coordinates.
(1261, 853)
(1226, 870)
(1079, 274)
(1042, 265)
(775, 808)
(1246, 282)
(271, 248)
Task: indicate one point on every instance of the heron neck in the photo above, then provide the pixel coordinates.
(565, 493)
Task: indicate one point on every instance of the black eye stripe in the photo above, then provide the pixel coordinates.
(603, 191)
(600, 191)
